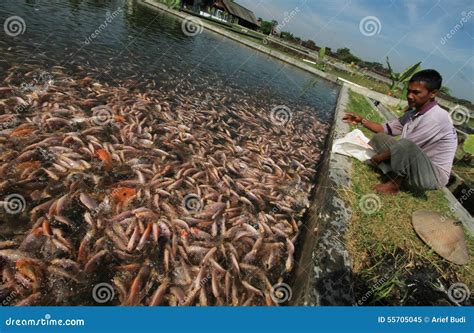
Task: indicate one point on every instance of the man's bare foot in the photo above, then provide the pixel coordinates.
(390, 187)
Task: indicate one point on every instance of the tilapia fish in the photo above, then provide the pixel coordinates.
(160, 197)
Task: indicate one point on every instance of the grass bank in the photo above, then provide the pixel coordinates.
(391, 265)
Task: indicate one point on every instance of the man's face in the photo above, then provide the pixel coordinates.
(418, 94)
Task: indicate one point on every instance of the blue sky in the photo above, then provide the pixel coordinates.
(409, 31)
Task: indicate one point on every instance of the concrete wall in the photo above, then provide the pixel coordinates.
(323, 270)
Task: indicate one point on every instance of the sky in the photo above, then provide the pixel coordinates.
(440, 33)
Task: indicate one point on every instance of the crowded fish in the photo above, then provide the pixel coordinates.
(169, 198)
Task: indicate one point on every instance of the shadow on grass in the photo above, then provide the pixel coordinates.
(391, 281)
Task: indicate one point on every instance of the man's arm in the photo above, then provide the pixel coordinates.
(374, 127)
(356, 119)
(382, 157)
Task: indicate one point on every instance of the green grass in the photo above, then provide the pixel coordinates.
(464, 160)
(469, 144)
(388, 258)
(359, 79)
(359, 105)
(397, 110)
(466, 172)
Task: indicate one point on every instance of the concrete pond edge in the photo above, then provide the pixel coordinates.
(322, 275)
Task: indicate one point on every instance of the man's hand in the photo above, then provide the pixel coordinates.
(382, 157)
(376, 159)
(352, 118)
(355, 119)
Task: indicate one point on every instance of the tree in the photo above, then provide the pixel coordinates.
(403, 77)
(374, 66)
(345, 55)
(287, 35)
(321, 55)
(266, 27)
(445, 90)
(309, 44)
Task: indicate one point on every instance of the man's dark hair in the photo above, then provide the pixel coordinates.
(431, 77)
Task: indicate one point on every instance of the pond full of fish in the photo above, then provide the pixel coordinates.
(139, 44)
(143, 166)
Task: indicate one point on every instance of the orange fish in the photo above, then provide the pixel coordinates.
(105, 157)
(26, 269)
(119, 119)
(30, 164)
(38, 231)
(122, 195)
(19, 132)
(46, 228)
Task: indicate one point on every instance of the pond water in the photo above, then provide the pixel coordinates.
(136, 43)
